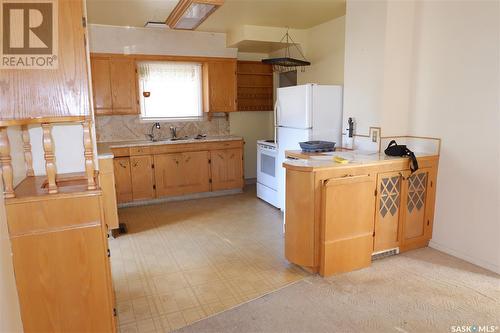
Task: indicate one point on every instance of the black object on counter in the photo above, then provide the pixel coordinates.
(317, 146)
(393, 149)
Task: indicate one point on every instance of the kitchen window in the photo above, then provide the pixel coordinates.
(170, 90)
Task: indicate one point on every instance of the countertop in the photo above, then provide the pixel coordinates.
(311, 162)
(104, 148)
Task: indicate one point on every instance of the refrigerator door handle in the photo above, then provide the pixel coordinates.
(275, 121)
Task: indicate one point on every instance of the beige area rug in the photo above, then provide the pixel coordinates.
(419, 291)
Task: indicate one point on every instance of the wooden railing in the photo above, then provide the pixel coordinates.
(49, 153)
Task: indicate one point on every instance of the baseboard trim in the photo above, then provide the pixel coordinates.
(479, 262)
(193, 196)
(250, 181)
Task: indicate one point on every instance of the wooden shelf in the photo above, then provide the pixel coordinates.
(255, 86)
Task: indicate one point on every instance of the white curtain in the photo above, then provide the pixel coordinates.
(170, 89)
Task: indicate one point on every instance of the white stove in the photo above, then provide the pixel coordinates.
(267, 172)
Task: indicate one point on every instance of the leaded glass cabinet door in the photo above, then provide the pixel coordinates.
(416, 195)
(387, 215)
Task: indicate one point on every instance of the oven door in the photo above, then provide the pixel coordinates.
(266, 166)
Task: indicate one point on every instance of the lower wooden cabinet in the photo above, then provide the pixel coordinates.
(418, 208)
(141, 173)
(387, 211)
(108, 186)
(61, 264)
(182, 173)
(174, 170)
(338, 217)
(227, 169)
(123, 179)
(348, 223)
(405, 209)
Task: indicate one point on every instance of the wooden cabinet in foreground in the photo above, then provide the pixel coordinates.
(177, 169)
(114, 85)
(337, 217)
(61, 263)
(219, 86)
(348, 204)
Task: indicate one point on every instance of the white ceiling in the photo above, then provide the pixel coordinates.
(299, 14)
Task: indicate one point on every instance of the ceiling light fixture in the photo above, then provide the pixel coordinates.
(287, 63)
(189, 14)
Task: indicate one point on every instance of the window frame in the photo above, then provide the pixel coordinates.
(143, 119)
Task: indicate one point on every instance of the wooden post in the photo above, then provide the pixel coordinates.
(89, 156)
(28, 157)
(6, 165)
(50, 163)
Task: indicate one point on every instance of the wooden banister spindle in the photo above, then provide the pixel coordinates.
(89, 156)
(28, 157)
(50, 163)
(6, 164)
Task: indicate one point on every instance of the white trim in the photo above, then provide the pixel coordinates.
(169, 120)
(473, 260)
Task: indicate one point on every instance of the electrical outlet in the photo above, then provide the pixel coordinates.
(374, 134)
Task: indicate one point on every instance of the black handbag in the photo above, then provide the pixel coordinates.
(393, 149)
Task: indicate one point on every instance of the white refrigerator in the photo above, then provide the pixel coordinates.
(305, 113)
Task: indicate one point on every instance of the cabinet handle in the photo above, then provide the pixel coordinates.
(123, 165)
(136, 164)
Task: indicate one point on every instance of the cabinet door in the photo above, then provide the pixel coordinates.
(101, 85)
(123, 85)
(387, 212)
(62, 280)
(227, 169)
(418, 208)
(182, 173)
(348, 205)
(141, 169)
(123, 179)
(108, 186)
(220, 86)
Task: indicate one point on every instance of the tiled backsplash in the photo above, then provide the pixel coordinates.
(121, 128)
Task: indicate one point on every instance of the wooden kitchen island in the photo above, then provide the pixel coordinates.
(339, 215)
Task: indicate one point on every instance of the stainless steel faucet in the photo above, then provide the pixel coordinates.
(173, 132)
(151, 135)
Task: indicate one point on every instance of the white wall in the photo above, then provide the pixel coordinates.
(431, 68)
(324, 48)
(457, 98)
(129, 40)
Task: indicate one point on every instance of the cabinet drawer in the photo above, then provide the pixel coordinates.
(227, 144)
(134, 151)
(120, 152)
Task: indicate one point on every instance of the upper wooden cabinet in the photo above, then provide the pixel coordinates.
(219, 86)
(56, 92)
(255, 86)
(114, 85)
